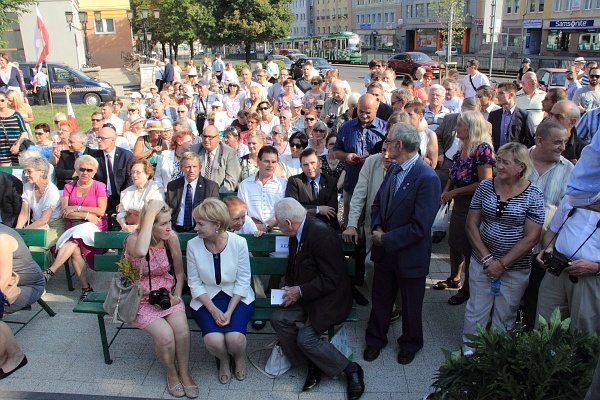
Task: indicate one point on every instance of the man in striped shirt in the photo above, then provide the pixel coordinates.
(589, 125)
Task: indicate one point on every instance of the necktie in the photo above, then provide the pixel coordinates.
(506, 116)
(187, 209)
(111, 176)
(315, 192)
(208, 168)
(394, 183)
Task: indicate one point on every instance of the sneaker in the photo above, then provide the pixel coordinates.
(47, 273)
(85, 292)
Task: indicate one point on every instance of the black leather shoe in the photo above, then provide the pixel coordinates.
(356, 383)
(358, 297)
(371, 353)
(405, 357)
(258, 325)
(396, 315)
(312, 378)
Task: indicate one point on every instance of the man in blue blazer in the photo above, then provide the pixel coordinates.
(510, 123)
(401, 218)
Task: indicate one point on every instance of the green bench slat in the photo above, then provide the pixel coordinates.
(90, 307)
(114, 240)
(222, 195)
(33, 237)
(40, 258)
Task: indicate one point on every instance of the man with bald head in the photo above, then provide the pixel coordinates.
(567, 114)
(337, 104)
(113, 170)
(529, 98)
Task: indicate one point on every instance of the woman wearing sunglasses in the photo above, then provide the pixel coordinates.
(84, 208)
(267, 119)
(317, 141)
(290, 163)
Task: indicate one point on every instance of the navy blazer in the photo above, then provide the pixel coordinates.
(121, 163)
(521, 127)
(204, 189)
(319, 269)
(299, 189)
(407, 223)
(65, 167)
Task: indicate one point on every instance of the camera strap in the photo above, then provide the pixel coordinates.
(170, 258)
(563, 224)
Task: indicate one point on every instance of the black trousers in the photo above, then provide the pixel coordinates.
(530, 297)
(41, 95)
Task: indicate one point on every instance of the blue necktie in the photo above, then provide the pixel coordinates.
(394, 183)
(187, 210)
(506, 117)
(315, 192)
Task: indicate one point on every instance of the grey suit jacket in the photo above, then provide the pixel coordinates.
(445, 133)
(226, 168)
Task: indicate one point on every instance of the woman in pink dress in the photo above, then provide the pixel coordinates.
(154, 248)
(83, 207)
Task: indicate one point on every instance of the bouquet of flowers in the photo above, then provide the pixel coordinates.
(129, 272)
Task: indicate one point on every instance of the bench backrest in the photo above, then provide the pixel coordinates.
(35, 237)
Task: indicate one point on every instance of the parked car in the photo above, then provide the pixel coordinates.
(549, 78)
(296, 56)
(288, 52)
(407, 63)
(285, 60)
(320, 64)
(85, 90)
(442, 51)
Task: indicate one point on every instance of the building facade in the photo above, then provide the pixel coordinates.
(332, 16)
(303, 23)
(377, 22)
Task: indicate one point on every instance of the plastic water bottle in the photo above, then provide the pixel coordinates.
(495, 287)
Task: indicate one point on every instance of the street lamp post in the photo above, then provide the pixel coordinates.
(146, 24)
(83, 19)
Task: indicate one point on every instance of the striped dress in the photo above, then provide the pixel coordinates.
(10, 131)
(503, 223)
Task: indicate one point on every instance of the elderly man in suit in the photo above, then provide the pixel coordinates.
(401, 218)
(315, 191)
(317, 295)
(510, 123)
(65, 168)
(113, 170)
(185, 193)
(220, 161)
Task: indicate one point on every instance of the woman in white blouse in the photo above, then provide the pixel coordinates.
(136, 196)
(219, 279)
(42, 199)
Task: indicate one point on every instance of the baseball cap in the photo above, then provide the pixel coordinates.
(202, 82)
(217, 104)
(135, 95)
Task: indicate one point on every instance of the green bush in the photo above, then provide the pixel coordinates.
(546, 363)
(239, 67)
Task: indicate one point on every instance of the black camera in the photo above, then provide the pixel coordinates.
(331, 121)
(555, 262)
(160, 298)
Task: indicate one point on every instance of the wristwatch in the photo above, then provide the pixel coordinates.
(598, 270)
(269, 229)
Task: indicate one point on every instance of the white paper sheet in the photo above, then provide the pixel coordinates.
(277, 296)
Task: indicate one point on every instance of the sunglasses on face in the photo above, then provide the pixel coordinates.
(263, 108)
(296, 145)
(310, 119)
(88, 170)
(94, 120)
(595, 76)
(314, 83)
(319, 130)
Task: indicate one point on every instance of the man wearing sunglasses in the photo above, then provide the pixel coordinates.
(65, 167)
(92, 134)
(182, 114)
(113, 170)
(588, 97)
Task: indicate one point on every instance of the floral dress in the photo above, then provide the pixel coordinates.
(159, 268)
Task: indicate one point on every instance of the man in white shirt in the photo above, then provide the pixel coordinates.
(435, 111)
(107, 113)
(530, 98)
(272, 69)
(247, 82)
(474, 78)
(260, 192)
(451, 101)
(261, 76)
(588, 97)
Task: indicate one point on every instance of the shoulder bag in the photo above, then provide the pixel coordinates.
(13, 290)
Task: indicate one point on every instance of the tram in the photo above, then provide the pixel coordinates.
(335, 47)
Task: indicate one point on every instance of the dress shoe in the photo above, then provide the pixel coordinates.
(405, 357)
(396, 314)
(312, 378)
(358, 297)
(258, 325)
(438, 236)
(371, 353)
(18, 367)
(356, 383)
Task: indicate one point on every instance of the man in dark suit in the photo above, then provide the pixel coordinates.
(401, 218)
(65, 168)
(169, 74)
(10, 201)
(317, 294)
(185, 193)
(316, 192)
(113, 170)
(510, 123)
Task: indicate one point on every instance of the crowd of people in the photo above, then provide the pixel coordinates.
(513, 162)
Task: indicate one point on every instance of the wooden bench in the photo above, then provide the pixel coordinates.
(260, 264)
(35, 237)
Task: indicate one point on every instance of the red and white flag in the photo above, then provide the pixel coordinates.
(70, 112)
(41, 39)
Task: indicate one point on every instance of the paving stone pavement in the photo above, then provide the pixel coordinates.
(65, 355)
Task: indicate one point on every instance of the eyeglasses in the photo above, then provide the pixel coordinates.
(319, 130)
(208, 137)
(321, 107)
(211, 120)
(396, 101)
(330, 144)
(296, 145)
(378, 65)
(251, 121)
(93, 120)
(88, 170)
(309, 119)
(181, 111)
(263, 108)
(56, 122)
(314, 83)
(131, 110)
(136, 172)
(40, 133)
(595, 76)
(101, 138)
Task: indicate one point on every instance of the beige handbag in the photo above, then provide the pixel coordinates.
(13, 290)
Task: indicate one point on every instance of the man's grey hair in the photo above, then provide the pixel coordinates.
(190, 155)
(353, 99)
(470, 104)
(437, 87)
(408, 135)
(544, 129)
(185, 125)
(571, 109)
(289, 209)
(79, 136)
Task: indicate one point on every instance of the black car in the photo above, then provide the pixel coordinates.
(320, 64)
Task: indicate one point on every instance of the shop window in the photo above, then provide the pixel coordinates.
(557, 5)
(589, 40)
(558, 40)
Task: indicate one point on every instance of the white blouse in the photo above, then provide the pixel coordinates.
(50, 199)
(132, 199)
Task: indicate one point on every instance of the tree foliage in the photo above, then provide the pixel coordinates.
(8, 10)
(452, 12)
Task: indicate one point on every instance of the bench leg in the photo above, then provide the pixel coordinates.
(104, 340)
(69, 278)
(46, 307)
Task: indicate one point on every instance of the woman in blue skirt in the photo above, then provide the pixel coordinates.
(219, 279)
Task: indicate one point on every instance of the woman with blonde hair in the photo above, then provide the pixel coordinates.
(14, 132)
(16, 103)
(472, 163)
(219, 279)
(192, 72)
(256, 141)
